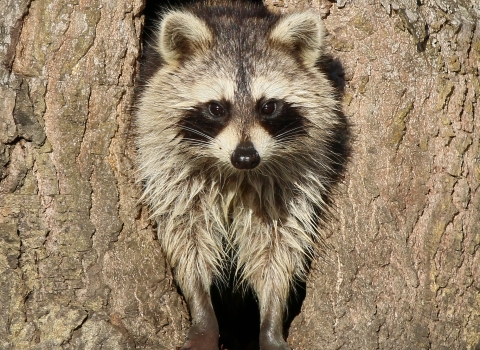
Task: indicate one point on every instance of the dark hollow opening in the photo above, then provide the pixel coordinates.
(239, 318)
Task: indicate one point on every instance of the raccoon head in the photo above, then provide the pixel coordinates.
(239, 87)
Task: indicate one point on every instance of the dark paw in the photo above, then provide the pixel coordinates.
(278, 346)
(200, 344)
(201, 339)
(272, 342)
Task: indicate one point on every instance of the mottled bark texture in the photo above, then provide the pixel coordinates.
(79, 265)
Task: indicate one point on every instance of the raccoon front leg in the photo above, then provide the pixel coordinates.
(204, 333)
(195, 254)
(272, 292)
(271, 326)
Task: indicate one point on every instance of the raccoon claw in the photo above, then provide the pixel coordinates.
(200, 339)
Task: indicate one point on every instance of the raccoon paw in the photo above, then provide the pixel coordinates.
(201, 339)
(277, 346)
(270, 342)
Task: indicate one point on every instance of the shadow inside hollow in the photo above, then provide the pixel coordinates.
(238, 317)
(334, 71)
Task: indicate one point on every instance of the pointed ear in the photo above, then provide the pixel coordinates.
(301, 32)
(182, 34)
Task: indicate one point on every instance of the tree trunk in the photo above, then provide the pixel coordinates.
(79, 264)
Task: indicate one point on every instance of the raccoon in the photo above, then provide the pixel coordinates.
(240, 140)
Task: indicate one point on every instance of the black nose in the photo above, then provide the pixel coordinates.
(245, 156)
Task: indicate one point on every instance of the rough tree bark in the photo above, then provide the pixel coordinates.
(79, 267)
(79, 264)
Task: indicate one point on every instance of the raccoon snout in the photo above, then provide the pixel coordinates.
(245, 156)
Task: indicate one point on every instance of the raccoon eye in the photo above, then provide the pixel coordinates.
(269, 108)
(216, 110)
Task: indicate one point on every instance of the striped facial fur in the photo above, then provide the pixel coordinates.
(238, 136)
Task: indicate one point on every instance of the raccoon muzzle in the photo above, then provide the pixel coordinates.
(245, 156)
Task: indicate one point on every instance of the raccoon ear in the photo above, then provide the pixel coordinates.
(182, 34)
(301, 32)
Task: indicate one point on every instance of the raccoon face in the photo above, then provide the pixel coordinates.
(242, 91)
(242, 135)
